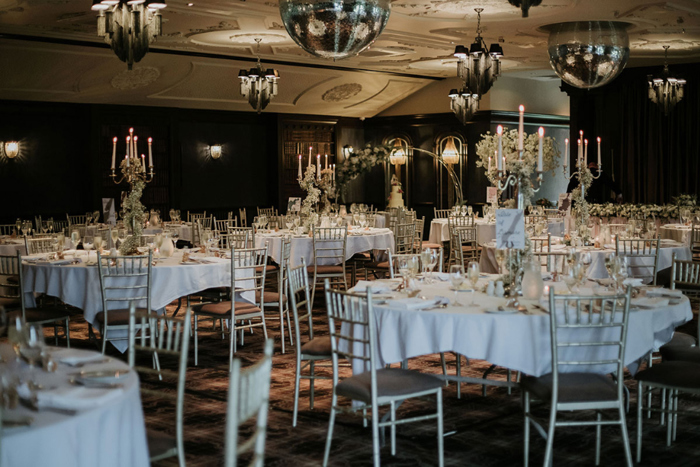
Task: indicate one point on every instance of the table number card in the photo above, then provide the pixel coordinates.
(294, 205)
(491, 194)
(108, 211)
(510, 228)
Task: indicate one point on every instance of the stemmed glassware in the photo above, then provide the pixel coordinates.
(114, 234)
(362, 218)
(473, 276)
(457, 279)
(289, 221)
(425, 258)
(26, 228)
(158, 241)
(18, 225)
(98, 243)
(501, 259)
(87, 245)
(402, 265)
(15, 334)
(75, 239)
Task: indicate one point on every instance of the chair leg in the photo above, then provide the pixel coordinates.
(281, 325)
(232, 348)
(459, 374)
(297, 377)
(104, 339)
(312, 372)
(441, 453)
(67, 332)
(526, 428)
(663, 406)
(549, 452)
(392, 409)
(640, 402)
(598, 429)
(329, 437)
(196, 346)
(649, 360)
(289, 328)
(444, 366)
(669, 419)
(675, 414)
(55, 334)
(625, 437)
(376, 442)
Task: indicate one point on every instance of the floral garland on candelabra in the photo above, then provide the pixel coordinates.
(488, 146)
(358, 163)
(582, 208)
(319, 193)
(666, 211)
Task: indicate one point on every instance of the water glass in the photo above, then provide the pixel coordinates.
(473, 275)
(457, 279)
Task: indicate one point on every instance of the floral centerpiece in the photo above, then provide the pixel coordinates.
(358, 163)
(487, 148)
(133, 212)
(665, 211)
(578, 199)
(319, 192)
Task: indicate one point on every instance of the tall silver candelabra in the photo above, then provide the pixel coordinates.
(505, 180)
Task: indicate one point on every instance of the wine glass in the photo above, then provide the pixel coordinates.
(18, 225)
(87, 245)
(402, 266)
(473, 276)
(425, 257)
(158, 241)
(98, 243)
(122, 235)
(585, 259)
(456, 278)
(114, 233)
(470, 210)
(32, 349)
(355, 218)
(463, 210)
(75, 239)
(15, 334)
(622, 272)
(289, 221)
(363, 220)
(434, 257)
(413, 266)
(500, 259)
(571, 279)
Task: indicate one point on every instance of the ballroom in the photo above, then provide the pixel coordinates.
(349, 232)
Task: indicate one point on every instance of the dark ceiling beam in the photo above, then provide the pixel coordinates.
(189, 53)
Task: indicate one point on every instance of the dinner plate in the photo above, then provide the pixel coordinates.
(102, 376)
(377, 296)
(460, 290)
(507, 311)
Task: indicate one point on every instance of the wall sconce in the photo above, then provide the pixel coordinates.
(450, 154)
(215, 151)
(398, 154)
(11, 149)
(347, 150)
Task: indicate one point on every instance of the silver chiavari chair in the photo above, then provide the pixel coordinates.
(8, 229)
(243, 217)
(463, 245)
(278, 299)
(404, 238)
(221, 226)
(251, 263)
(39, 245)
(396, 259)
(639, 253)
(124, 280)
(167, 338)
(695, 241)
(353, 335)
(579, 380)
(311, 349)
(329, 246)
(241, 237)
(248, 397)
(267, 211)
(553, 261)
(685, 276)
(442, 213)
(420, 226)
(77, 220)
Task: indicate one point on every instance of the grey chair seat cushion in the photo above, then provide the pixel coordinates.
(431, 245)
(318, 346)
(390, 382)
(676, 373)
(224, 308)
(378, 265)
(116, 317)
(329, 269)
(680, 339)
(573, 387)
(269, 297)
(684, 354)
(160, 444)
(10, 302)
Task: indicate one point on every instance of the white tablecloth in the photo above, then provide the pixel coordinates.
(79, 285)
(302, 246)
(597, 270)
(486, 232)
(110, 435)
(675, 232)
(11, 247)
(516, 341)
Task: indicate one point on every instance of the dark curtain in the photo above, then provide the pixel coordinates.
(651, 157)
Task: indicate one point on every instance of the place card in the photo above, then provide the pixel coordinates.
(510, 228)
(565, 202)
(491, 195)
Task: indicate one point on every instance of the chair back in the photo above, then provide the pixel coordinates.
(11, 271)
(352, 331)
(168, 337)
(254, 262)
(420, 227)
(243, 217)
(595, 323)
(695, 239)
(685, 275)
(221, 226)
(329, 245)
(298, 298)
(442, 213)
(60, 226)
(553, 261)
(461, 237)
(125, 280)
(7, 229)
(248, 397)
(267, 211)
(534, 219)
(640, 253)
(76, 220)
(460, 221)
(39, 245)
(542, 244)
(241, 237)
(404, 238)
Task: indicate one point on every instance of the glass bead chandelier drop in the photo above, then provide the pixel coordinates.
(664, 90)
(257, 85)
(478, 68)
(129, 26)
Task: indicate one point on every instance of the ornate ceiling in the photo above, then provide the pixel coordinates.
(197, 65)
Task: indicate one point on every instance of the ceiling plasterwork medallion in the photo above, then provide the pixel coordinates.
(342, 92)
(267, 39)
(136, 78)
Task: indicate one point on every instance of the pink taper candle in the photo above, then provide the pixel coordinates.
(299, 166)
(539, 151)
(499, 130)
(114, 152)
(599, 161)
(521, 127)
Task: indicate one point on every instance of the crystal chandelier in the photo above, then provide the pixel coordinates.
(129, 26)
(398, 155)
(259, 85)
(450, 154)
(525, 5)
(664, 90)
(478, 68)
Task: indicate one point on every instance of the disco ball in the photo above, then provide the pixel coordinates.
(334, 30)
(588, 54)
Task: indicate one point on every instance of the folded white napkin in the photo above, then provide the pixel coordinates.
(632, 282)
(416, 303)
(650, 302)
(71, 397)
(659, 292)
(377, 287)
(75, 356)
(441, 276)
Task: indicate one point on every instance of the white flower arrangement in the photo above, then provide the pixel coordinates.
(488, 146)
(666, 211)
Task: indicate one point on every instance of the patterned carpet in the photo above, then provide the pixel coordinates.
(486, 431)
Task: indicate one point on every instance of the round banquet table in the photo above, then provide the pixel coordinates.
(596, 270)
(107, 431)
(359, 240)
(485, 231)
(517, 341)
(79, 284)
(10, 247)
